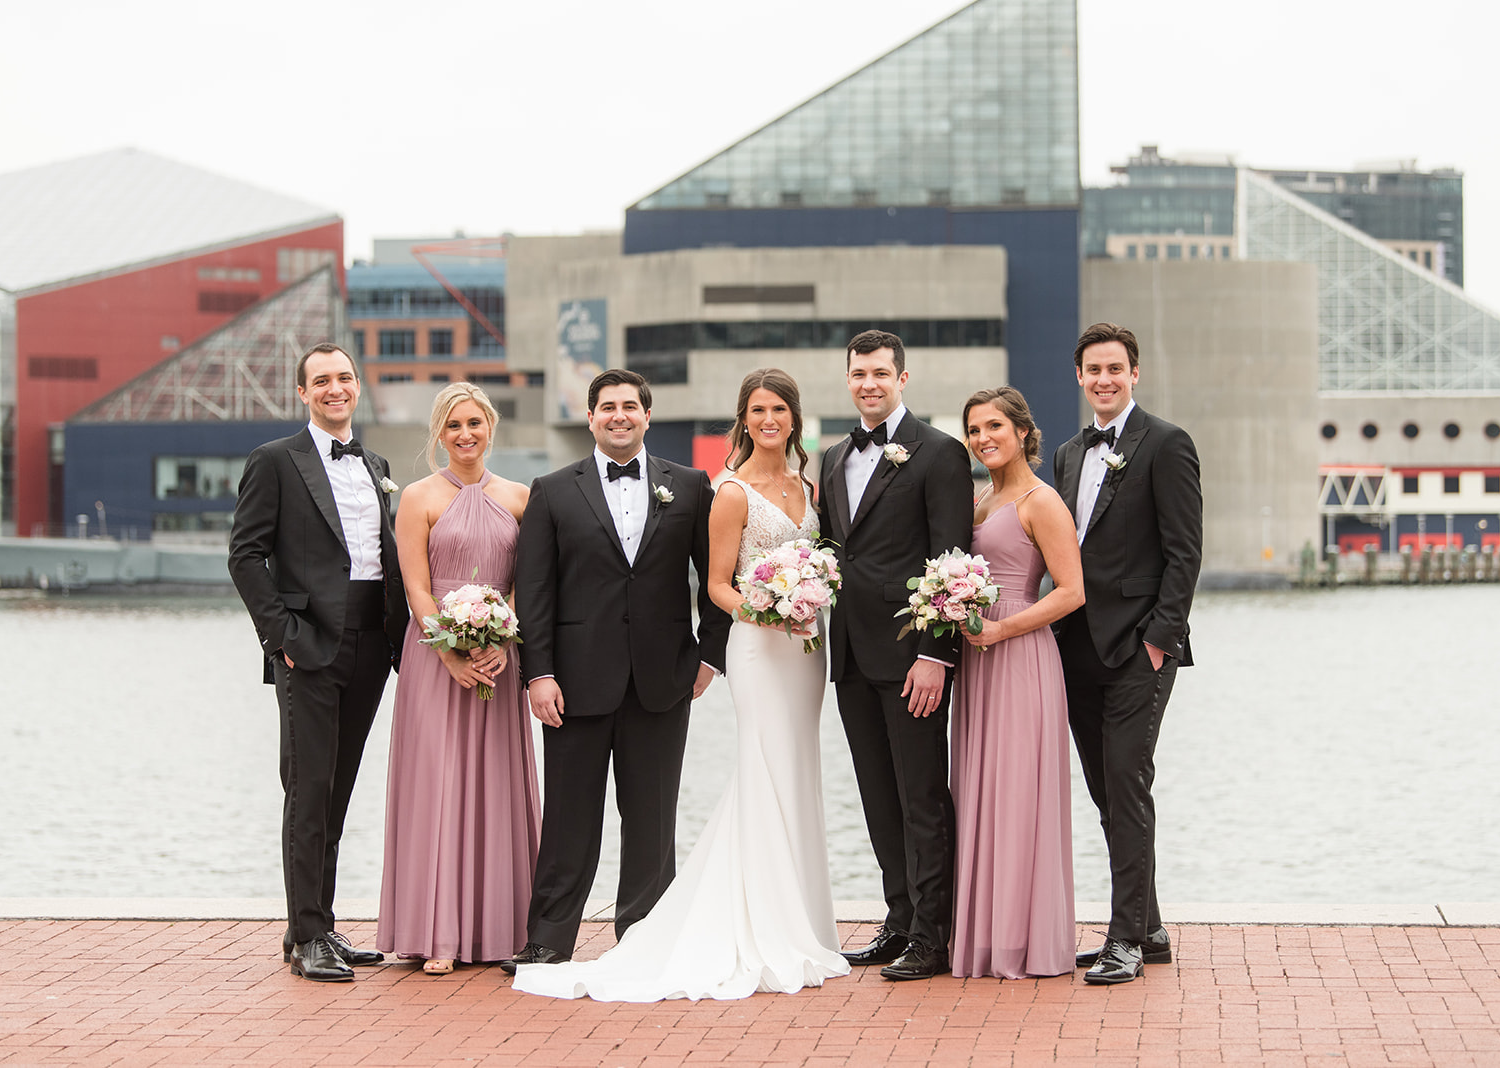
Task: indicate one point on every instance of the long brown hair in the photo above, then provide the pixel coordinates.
(785, 387)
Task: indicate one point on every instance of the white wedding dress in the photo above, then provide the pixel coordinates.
(752, 908)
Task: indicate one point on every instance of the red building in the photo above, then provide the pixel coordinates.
(109, 265)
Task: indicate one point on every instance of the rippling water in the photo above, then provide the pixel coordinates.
(1330, 747)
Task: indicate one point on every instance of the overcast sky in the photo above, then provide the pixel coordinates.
(550, 116)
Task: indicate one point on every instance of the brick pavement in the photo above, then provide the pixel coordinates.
(217, 993)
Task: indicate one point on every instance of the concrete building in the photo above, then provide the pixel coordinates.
(109, 265)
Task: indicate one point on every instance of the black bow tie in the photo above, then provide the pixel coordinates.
(630, 470)
(862, 437)
(354, 448)
(1092, 436)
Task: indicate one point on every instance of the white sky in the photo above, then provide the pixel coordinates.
(550, 116)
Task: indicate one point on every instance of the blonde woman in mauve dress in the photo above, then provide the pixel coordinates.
(752, 908)
(462, 810)
(1013, 899)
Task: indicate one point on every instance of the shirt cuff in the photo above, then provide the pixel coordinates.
(935, 660)
(716, 671)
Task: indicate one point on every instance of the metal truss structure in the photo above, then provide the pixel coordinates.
(1384, 323)
(245, 371)
(1352, 491)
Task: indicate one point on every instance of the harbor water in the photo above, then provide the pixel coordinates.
(1330, 746)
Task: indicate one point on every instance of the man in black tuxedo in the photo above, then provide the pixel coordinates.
(891, 496)
(610, 659)
(1131, 480)
(314, 559)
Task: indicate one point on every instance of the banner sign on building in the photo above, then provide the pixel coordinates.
(580, 354)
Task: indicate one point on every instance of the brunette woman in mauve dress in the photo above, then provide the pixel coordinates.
(1013, 901)
(462, 811)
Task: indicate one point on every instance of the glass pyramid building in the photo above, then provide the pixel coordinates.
(980, 110)
(243, 372)
(1384, 323)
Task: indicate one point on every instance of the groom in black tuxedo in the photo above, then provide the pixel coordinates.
(1131, 480)
(313, 556)
(891, 496)
(610, 659)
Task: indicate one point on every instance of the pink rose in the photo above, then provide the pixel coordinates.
(802, 611)
(962, 588)
(760, 600)
(955, 611)
(479, 615)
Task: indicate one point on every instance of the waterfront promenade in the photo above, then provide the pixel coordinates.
(1383, 985)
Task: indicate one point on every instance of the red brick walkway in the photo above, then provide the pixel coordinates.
(143, 993)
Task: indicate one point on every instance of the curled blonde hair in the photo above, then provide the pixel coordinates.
(448, 398)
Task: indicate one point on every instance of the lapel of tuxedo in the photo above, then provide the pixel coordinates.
(1130, 440)
(885, 471)
(310, 467)
(387, 530)
(1072, 466)
(838, 487)
(659, 474)
(589, 485)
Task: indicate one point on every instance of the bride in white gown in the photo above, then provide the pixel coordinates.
(752, 908)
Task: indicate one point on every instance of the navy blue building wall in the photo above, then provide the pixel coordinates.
(1041, 298)
(116, 463)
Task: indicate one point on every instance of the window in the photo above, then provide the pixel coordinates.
(295, 264)
(1224, 252)
(1369, 430)
(1450, 483)
(62, 367)
(395, 378)
(437, 378)
(1492, 483)
(801, 294)
(1131, 252)
(200, 478)
(1410, 485)
(398, 343)
(170, 342)
(1151, 251)
(1174, 252)
(359, 343)
(1492, 430)
(440, 342)
(1450, 430)
(191, 521)
(221, 302)
(228, 274)
(1330, 431)
(1192, 252)
(1411, 430)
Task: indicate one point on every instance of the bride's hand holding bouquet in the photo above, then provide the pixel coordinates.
(787, 587)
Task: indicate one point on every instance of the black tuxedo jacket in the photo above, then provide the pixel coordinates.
(593, 620)
(1144, 541)
(288, 559)
(909, 513)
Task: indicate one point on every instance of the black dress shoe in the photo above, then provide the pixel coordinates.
(886, 947)
(1157, 949)
(920, 961)
(533, 953)
(355, 958)
(1119, 962)
(316, 959)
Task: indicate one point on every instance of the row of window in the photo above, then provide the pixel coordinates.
(181, 478)
(1410, 484)
(1152, 251)
(1411, 430)
(810, 334)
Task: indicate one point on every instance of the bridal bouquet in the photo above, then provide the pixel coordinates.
(472, 617)
(949, 595)
(786, 587)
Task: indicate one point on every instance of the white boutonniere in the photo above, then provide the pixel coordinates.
(663, 495)
(1114, 461)
(388, 486)
(896, 453)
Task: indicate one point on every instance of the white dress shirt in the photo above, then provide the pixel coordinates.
(1094, 471)
(629, 500)
(860, 464)
(359, 505)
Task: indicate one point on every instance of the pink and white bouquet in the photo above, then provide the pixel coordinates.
(787, 587)
(949, 595)
(472, 617)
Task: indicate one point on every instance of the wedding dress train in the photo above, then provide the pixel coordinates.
(752, 908)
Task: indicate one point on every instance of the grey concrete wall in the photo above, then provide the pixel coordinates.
(1229, 352)
(1348, 413)
(887, 282)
